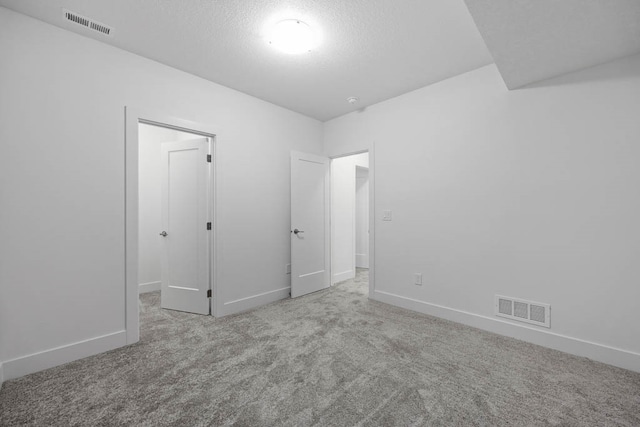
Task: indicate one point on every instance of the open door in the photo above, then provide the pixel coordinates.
(362, 217)
(309, 223)
(185, 227)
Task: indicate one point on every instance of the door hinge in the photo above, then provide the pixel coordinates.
(208, 293)
(208, 226)
(209, 158)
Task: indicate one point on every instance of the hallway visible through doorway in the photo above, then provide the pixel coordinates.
(349, 216)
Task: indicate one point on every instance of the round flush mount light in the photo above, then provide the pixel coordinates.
(352, 100)
(292, 36)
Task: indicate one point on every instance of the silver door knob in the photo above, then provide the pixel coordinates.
(163, 234)
(296, 231)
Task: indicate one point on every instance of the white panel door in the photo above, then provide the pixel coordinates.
(184, 234)
(309, 223)
(362, 217)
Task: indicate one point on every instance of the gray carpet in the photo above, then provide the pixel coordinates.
(332, 358)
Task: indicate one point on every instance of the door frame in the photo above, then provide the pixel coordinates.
(372, 217)
(133, 117)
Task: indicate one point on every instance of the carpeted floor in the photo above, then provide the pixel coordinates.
(332, 358)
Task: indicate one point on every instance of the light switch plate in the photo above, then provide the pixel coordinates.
(386, 215)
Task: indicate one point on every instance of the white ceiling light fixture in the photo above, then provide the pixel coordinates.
(293, 36)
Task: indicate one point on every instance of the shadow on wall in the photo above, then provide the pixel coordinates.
(624, 69)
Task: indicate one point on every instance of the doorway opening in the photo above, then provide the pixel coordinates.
(324, 241)
(169, 214)
(172, 198)
(350, 230)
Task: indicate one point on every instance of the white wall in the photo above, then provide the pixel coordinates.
(149, 225)
(343, 202)
(531, 193)
(62, 194)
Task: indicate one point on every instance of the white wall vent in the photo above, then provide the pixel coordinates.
(523, 311)
(87, 23)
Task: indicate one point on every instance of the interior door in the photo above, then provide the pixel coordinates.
(185, 230)
(362, 217)
(309, 223)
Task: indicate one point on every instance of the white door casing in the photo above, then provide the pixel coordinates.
(362, 217)
(184, 212)
(309, 223)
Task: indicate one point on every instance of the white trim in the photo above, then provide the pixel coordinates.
(134, 116)
(599, 352)
(372, 220)
(213, 218)
(244, 304)
(143, 288)
(360, 259)
(60, 355)
(345, 275)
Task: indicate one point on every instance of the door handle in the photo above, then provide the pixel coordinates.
(163, 234)
(296, 231)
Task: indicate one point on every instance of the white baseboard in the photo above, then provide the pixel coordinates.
(599, 352)
(58, 356)
(362, 260)
(143, 288)
(345, 275)
(244, 304)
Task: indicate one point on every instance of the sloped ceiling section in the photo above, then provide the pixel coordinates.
(532, 40)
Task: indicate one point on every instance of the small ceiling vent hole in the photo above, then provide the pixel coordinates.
(87, 23)
(523, 311)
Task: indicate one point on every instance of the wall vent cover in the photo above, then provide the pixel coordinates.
(523, 311)
(88, 23)
(505, 306)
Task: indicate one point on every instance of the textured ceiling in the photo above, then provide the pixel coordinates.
(372, 49)
(532, 40)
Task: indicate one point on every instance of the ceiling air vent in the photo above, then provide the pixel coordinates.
(87, 23)
(523, 311)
